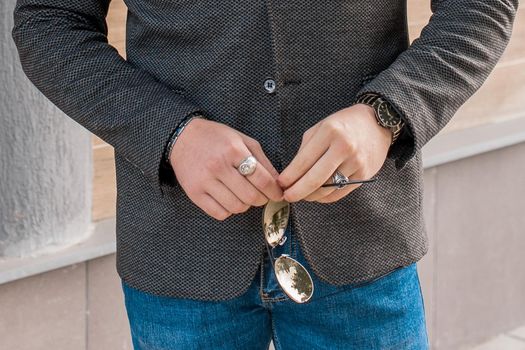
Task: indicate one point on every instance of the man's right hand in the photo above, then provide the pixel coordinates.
(205, 157)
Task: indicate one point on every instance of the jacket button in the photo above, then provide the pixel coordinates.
(269, 85)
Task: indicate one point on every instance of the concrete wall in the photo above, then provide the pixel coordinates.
(45, 163)
(473, 277)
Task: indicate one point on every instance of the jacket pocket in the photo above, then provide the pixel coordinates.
(367, 78)
(177, 89)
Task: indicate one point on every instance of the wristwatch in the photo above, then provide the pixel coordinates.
(386, 114)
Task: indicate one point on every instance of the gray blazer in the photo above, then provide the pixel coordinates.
(214, 56)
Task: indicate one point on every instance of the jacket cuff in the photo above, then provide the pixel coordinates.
(85, 77)
(167, 177)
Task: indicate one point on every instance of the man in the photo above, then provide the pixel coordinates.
(317, 93)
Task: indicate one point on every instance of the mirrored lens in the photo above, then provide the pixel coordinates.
(275, 219)
(295, 281)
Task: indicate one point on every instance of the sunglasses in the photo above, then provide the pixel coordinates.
(293, 277)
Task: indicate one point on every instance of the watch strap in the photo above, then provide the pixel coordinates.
(374, 99)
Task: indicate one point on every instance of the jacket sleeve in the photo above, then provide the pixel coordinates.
(64, 51)
(443, 67)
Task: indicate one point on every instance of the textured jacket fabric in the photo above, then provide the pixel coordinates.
(214, 56)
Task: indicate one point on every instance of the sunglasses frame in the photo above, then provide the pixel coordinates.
(282, 239)
(283, 256)
(349, 182)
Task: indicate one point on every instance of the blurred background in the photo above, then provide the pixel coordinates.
(58, 285)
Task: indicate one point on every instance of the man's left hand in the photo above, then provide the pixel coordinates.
(349, 140)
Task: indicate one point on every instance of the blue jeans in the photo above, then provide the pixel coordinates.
(387, 313)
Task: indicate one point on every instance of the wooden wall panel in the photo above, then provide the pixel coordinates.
(104, 183)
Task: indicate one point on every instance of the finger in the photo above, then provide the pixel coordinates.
(263, 179)
(342, 192)
(305, 158)
(243, 186)
(318, 174)
(226, 198)
(307, 136)
(257, 187)
(346, 168)
(257, 151)
(211, 207)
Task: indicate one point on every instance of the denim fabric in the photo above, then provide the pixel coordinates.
(386, 313)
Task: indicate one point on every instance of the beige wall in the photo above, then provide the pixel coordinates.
(500, 98)
(79, 307)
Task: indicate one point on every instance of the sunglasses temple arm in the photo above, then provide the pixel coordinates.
(270, 255)
(351, 182)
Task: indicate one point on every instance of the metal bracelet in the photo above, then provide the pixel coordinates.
(178, 131)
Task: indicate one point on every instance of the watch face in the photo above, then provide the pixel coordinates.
(388, 115)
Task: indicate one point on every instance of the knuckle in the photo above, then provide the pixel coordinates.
(239, 207)
(332, 128)
(263, 200)
(223, 215)
(245, 207)
(348, 146)
(325, 199)
(306, 134)
(359, 159)
(234, 151)
(192, 192)
(312, 196)
(250, 141)
(265, 182)
(252, 197)
(256, 143)
(214, 164)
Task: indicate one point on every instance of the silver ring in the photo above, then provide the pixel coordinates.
(340, 179)
(247, 166)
